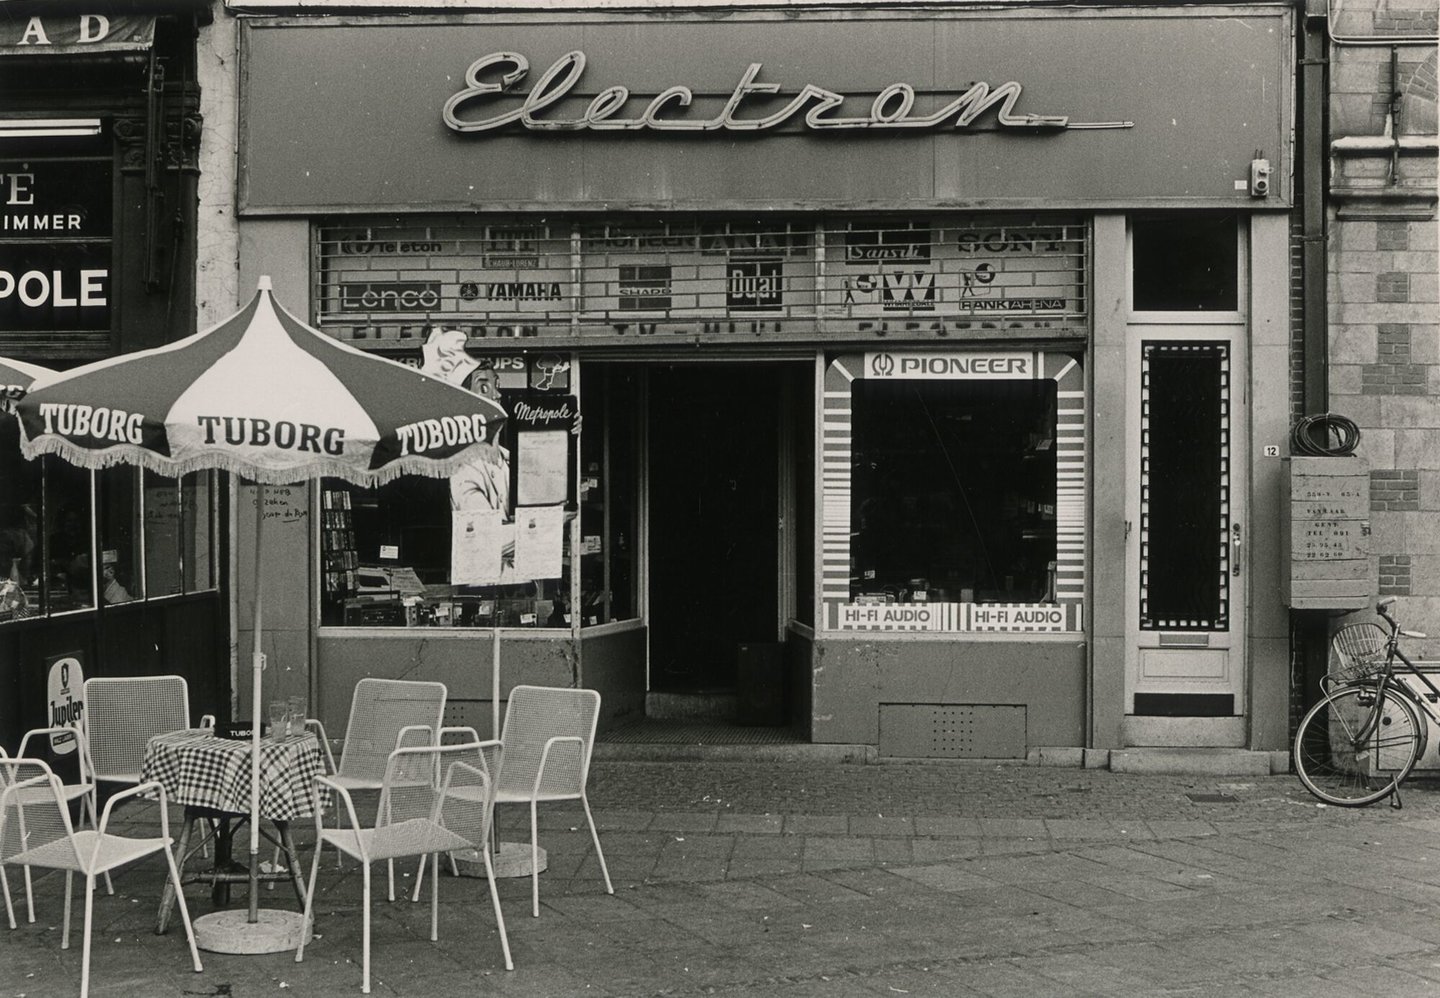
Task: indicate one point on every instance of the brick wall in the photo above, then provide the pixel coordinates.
(1384, 291)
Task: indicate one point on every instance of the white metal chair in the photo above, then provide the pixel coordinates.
(35, 831)
(545, 747)
(432, 801)
(385, 715)
(83, 790)
(122, 713)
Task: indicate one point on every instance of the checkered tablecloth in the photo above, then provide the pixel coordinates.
(199, 769)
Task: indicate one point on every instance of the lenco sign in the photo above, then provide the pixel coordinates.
(950, 366)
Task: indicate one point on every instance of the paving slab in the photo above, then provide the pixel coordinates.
(800, 877)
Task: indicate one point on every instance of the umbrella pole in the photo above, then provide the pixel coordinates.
(256, 930)
(257, 665)
(495, 678)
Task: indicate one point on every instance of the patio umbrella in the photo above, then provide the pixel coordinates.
(16, 378)
(264, 395)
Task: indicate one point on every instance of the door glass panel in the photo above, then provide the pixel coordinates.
(1185, 488)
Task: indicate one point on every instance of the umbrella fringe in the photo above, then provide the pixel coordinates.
(99, 460)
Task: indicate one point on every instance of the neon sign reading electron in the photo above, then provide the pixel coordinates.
(892, 108)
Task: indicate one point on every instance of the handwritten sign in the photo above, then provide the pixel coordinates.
(285, 503)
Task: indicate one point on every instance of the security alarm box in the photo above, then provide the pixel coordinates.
(1325, 539)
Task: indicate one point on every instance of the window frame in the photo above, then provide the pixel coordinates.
(1190, 316)
(93, 542)
(841, 616)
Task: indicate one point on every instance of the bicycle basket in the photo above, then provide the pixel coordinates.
(1359, 651)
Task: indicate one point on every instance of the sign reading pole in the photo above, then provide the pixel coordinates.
(66, 691)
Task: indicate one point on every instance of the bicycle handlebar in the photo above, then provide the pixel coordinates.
(1380, 609)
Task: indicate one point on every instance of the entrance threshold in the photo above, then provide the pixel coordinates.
(680, 731)
(669, 740)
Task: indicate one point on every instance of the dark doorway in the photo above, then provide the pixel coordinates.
(714, 499)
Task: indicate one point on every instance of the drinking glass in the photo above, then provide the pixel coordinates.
(277, 718)
(296, 716)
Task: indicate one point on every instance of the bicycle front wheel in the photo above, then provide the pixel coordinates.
(1352, 749)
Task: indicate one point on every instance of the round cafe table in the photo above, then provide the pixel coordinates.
(210, 777)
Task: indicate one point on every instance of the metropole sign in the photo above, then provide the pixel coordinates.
(500, 74)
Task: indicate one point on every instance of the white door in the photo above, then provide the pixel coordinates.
(1187, 533)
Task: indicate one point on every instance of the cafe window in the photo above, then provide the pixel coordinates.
(954, 492)
(488, 546)
(1186, 263)
(71, 539)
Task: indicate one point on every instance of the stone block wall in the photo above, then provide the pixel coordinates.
(1384, 285)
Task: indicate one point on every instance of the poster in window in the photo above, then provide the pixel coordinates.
(538, 534)
(544, 468)
(476, 537)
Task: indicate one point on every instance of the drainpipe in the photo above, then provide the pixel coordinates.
(1310, 629)
(1314, 319)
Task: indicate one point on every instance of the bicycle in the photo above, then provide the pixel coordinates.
(1359, 743)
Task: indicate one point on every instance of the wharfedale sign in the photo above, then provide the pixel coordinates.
(493, 83)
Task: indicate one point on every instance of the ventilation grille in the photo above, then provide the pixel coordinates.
(952, 731)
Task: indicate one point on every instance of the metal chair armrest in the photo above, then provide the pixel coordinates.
(344, 796)
(545, 757)
(324, 740)
(136, 791)
(400, 738)
(33, 781)
(58, 729)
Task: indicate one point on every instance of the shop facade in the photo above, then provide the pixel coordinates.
(915, 378)
(113, 572)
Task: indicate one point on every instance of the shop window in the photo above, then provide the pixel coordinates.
(490, 546)
(608, 526)
(1185, 263)
(57, 554)
(22, 556)
(120, 578)
(954, 494)
(388, 559)
(953, 491)
(69, 545)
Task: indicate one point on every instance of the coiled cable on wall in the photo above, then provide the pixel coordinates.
(1340, 435)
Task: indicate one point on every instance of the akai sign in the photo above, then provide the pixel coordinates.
(65, 689)
(968, 366)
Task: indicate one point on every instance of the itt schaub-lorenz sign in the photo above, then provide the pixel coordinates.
(892, 108)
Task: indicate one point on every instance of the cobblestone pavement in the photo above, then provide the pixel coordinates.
(801, 879)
